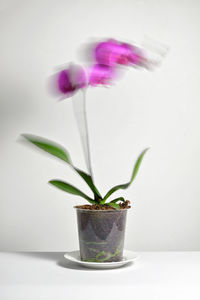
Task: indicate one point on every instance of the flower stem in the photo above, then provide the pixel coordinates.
(87, 134)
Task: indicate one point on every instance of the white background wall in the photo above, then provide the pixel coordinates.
(158, 109)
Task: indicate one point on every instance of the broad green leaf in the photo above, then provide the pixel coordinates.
(134, 173)
(61, 153)
(48, 146)
(66, 187)
(114, 205)
(113, 201)
(118, 199)
(88, 179)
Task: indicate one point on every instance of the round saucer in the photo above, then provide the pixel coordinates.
(129, 256)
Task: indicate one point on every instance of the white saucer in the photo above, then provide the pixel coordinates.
(129, 256)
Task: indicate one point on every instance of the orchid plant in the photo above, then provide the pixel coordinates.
(107, 57)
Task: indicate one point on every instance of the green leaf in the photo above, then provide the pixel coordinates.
(137, 164)
(118, 199)
(61, 153)
(66, 187)
(88, 179)
(48, 146)
(114, 205)
(134, 173)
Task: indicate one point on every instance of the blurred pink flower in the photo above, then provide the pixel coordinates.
(70, 80)
(100, 75)
(112, 52)
(108, 55)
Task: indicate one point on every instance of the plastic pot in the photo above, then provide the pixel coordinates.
(101, 234)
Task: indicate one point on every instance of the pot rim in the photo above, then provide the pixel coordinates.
(101, 210)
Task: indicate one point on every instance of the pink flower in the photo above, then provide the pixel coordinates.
(71, 80)
(108, 55)
(112, 52)
(100, 75)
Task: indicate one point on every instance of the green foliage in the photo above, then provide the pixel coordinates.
(62, 154)
(66, 187)
(117, 200)
(114, 205)
(49, 147)
(134, 173)
(88, 179)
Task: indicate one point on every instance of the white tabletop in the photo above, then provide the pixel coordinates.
(47, 275)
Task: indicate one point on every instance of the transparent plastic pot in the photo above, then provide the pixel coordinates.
(101, 234)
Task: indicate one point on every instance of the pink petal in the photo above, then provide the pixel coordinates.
(100, 75)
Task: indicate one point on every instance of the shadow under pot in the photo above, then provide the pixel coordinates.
(101, 234)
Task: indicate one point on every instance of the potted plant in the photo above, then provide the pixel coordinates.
(101, 223)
